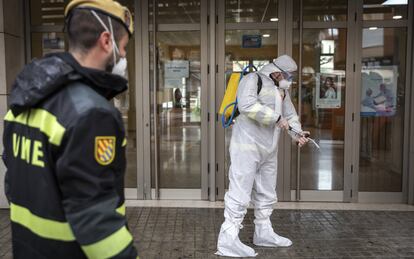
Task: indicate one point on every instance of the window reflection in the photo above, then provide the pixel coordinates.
(47, 12)
(262, 11)
(179, 110)
(382, 109)
(176, 11)
(385, 10)
(324, 10)
(322, 108)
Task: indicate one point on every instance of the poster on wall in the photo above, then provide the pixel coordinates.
(251, 41)
(328, 91)
(174, 73)
(379, 91)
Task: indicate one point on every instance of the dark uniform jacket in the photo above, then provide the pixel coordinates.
(64, 149)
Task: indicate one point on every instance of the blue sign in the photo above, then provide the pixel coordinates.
(252, 41)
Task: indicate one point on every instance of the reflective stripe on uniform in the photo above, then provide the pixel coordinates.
(121, 209)
(124, 142)
(43, 120)
(268, 116)
(253, 110)
(45, 228)
(109, 246)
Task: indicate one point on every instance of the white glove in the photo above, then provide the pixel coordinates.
(302, 139)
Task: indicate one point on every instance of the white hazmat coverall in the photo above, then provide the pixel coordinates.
(253, 152)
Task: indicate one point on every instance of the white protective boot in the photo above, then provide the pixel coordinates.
(229, 244)
(265, 236)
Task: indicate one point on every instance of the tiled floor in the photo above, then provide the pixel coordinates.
(192, 233)
(278, 206)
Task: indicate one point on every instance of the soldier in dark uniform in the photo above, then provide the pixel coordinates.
(64, 142)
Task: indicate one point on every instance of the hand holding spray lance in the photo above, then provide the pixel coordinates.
(306, 135)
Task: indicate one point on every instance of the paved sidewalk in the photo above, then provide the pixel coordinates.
(192, 233)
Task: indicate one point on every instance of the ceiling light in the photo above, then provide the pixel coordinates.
(274, 19)
(397, 17)
(372, 28)
(266, 35)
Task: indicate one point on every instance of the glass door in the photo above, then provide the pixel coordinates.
(177, 100)
(320, 46)
(247, 35)
(382, 104)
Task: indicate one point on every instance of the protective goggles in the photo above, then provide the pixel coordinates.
(286, 75)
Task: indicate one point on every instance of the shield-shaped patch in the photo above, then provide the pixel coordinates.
(105, 149)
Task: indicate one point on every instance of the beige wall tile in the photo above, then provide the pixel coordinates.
(3, 200)
(3, 109)
(3, 83)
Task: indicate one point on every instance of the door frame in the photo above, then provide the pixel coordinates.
(330, 195)
(145, 190)
(354, 26)
(388, 197)
(285, 10)
(285, 28)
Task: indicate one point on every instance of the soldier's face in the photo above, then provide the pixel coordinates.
(122, 46)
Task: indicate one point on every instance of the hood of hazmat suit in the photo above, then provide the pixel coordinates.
(259, 113)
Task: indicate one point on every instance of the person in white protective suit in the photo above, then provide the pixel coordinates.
(253, 152)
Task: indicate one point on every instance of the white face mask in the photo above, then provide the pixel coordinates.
(120, 67)
(284, 84)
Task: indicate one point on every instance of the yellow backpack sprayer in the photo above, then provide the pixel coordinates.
(228, 108)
